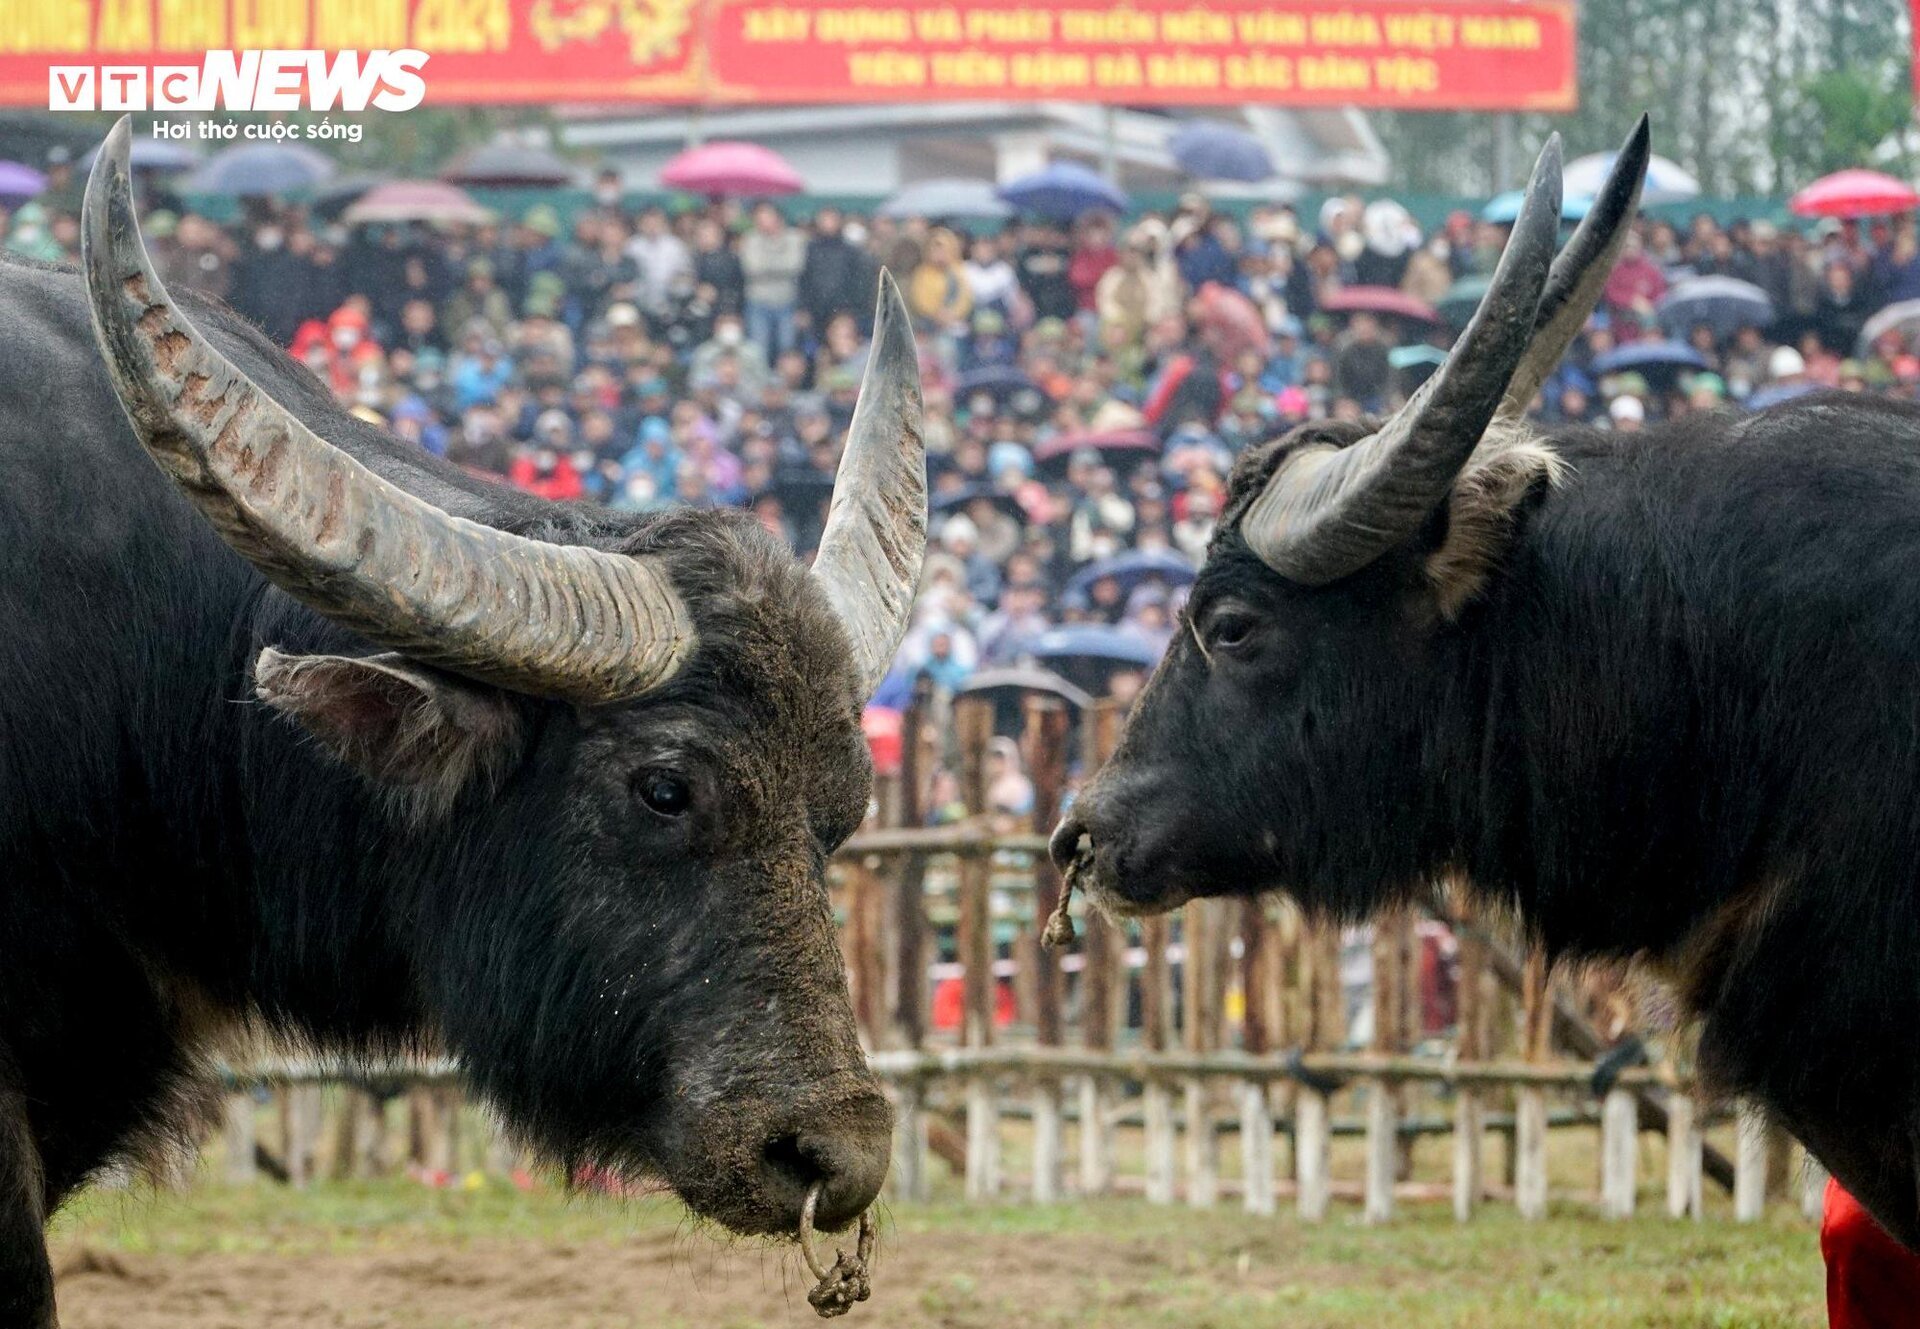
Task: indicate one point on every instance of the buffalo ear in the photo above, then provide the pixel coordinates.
(1483, 513)
(419, 733)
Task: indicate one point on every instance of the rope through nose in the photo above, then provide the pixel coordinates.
(847, 1282)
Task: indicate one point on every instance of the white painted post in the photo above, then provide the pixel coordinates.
(1750, 1166)
(1312, 1149)
(241, 1135)
(1530, 1152)
(983, 1139)
(1256, 1147)
(1813, 1188)
(1685, 1155)
(1156, 1102)
(909, 1175)
(1048, 1141)
(1203, 1148)
(1096, 1137)
(1383, 1145)
(1467, 1152)
(1619, 1153)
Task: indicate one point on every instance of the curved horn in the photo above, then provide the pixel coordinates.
(554, 620)
(876, 532)
(1580, 274)
(1327, 512)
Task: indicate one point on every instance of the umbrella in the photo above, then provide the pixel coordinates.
(956, 200)
(1854, 193)
(1903, 318)
(253, 169)
(1231, 322)
(416, 200)
(507, 166)
(1778, 394)
(1209, 150)
(1649, 357)
(158, 155)
(1406, 357)
(1063, 191)
(1379, 300)
(731, 169)
(1094, 641)
(339, 193)
(1725, 304)
(1132, 568)
(1665, 181)
(1057, 450)
(1456, 307)
(997, 381)
(965, 494)
(1505, 208)
(1018, 680)
(18, 180)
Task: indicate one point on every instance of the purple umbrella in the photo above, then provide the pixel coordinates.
(1209, 150)
(18, 181)
(1063, 191)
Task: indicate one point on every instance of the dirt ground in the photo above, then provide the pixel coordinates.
(387, 1255)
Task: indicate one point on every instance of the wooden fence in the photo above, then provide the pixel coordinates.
(1202, 1058)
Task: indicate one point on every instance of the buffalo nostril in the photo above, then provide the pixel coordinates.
(1064, 845)
(848, 1159)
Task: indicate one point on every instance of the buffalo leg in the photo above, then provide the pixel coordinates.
(26, 1279)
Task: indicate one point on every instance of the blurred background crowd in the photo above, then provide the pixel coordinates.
(1091, 369)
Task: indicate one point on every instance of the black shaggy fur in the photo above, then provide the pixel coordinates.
(178, 859)
(1681, 721)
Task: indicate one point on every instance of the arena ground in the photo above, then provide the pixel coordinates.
(391, 1254)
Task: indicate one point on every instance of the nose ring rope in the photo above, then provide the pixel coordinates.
(1059, 929)
(844, 1284)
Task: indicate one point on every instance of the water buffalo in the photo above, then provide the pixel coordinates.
(308, 733)
(1658, 692)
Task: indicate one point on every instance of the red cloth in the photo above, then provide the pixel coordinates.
(1873, 1282)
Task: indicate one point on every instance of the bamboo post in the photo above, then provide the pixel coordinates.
(1813, 1187)
(1750, 1166)
(1530, 1108)
(1313, 1137)
(911, 1179)
(1156, 1000)
(1200, 982)
(1046, 735)
(1619, 1152)
(1471, 1045)
(973, 728)
(1390, 997)
(1103, 949)
(1685, 1196)
(241, 1139)
(1257, 961)
(300, 1126)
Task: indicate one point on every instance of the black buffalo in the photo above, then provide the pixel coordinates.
(1658, 692)
(305, 733)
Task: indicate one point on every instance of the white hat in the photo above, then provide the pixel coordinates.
(1624, 409)
(1785, 362)
(1389, 228)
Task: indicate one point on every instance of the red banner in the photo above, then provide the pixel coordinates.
(1440, 54)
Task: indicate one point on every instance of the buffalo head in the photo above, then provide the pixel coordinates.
(1284, 738)
(593, 766)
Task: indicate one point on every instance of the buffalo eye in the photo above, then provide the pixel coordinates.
(663, 792)
(1230, 629)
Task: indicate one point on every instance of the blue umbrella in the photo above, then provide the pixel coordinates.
(1649, 356)
(1505, 208)
(1092, 641)
(159, 155)
(1132, 568)
(958, 200)
(998, 381)
(1778, 393)
(260, 168)
(1209, 150)
(1666, 182)
(1725, 304)
(18, 180)
(1063, 191)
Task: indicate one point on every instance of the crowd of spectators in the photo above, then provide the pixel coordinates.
(1087, 384)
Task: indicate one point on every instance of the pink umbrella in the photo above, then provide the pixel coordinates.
(1379, 300)
(416, 200)
(1854, 193)
(731, 169)
(1230, 322)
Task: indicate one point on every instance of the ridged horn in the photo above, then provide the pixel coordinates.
(1328, 512)
(876, 531)
(553, 620)
(1580, 274)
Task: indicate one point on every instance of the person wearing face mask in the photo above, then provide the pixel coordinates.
(729, 341)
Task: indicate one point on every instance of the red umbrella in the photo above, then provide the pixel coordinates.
(1062, 446)
(416, 200)
(731, 169)
(1230, 322)
(1379, 300)
(1854, 193)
